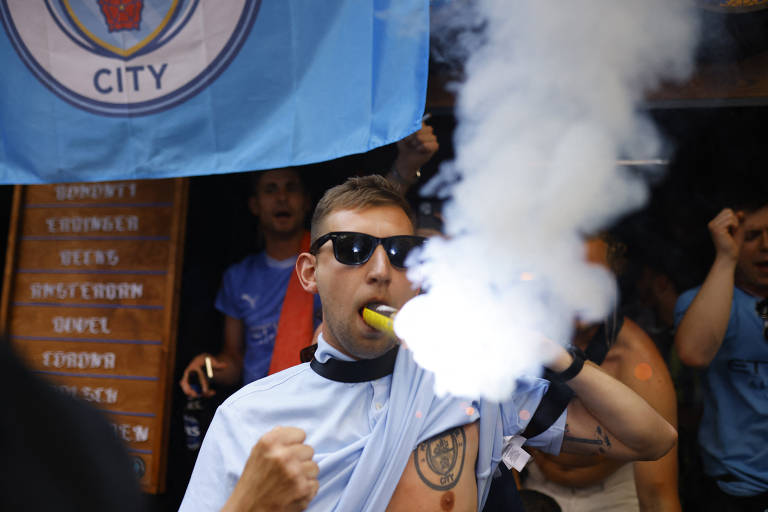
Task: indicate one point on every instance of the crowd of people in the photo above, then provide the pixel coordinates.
(634, 359)
(359, 426)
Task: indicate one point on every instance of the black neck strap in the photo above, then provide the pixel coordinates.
(604, 338)
(361, 370)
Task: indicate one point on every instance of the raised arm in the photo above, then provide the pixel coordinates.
(606, 417)
(702, 329)
(413, 152)
(227, 366)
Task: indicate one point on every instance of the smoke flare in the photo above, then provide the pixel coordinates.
(549, 103)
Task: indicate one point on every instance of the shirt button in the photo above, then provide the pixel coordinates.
(378, 406)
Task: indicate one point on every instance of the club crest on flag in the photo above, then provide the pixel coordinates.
(127, 57)
(122, 15)
(122, 29)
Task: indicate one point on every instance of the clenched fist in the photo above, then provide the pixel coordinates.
(279, 475)
(727, 233)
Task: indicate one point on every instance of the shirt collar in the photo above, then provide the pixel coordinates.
(340, 368)
(283, 264)
(325, 351)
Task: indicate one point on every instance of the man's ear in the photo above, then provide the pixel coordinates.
(306, 268)
(253, 205)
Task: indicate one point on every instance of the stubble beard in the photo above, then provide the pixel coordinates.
(360, 346)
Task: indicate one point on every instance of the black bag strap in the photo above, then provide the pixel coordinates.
(557, 397)
(604, 338)
(552, 405)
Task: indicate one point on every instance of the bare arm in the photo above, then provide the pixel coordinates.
(413, 152)
(232, 352)
(656, 491)
(279, 475)
(227, 366)
(635, 361)
(702, 329)
(645, 372)
(606, 417)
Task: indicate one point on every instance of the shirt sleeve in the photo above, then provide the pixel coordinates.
(685, 300)
(217, 469)
(227, 297)
(551, 440)
(683, 303)
(519, 409)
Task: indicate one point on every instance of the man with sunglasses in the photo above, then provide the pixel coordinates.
(722, 329)
(382, 438)
(254, 296)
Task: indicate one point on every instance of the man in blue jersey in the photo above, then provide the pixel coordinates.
(723, 329)
(253, 290)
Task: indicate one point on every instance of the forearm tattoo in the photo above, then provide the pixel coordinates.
(601, 439)
(439, 460)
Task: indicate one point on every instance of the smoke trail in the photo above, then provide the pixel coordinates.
(548, 105)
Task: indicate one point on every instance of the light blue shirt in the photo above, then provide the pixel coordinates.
(734, 422)
(363, 433)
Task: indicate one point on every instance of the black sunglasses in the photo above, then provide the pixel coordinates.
(351, 248)
(762, 310)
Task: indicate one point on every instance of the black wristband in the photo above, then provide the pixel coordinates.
(575, 367)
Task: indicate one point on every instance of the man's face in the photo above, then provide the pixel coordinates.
(346, 289)
(752, 269)
(280, 202)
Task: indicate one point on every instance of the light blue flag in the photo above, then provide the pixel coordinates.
(125, 89)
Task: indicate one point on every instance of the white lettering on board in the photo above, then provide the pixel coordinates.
(86, 291)
(132, 433)
(81, 325)
(78, 257)
(78, 360)
(80, 191)
(93, 223)
(97, 395)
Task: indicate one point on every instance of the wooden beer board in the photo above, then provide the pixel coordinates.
(90, 300)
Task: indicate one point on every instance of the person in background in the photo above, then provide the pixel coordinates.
(59, 453)
(593, 483)
(723, 329)
(268, 317)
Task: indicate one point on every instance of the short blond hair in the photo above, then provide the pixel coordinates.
(358, 193)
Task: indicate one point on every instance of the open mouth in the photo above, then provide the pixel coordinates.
(376, 306)
(282, 215)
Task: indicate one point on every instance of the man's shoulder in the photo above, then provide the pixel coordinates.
(254, 261)
(268, 388)
(632, 343)
(634, 357)
(684, 302)
(685, 298)
(744, 299)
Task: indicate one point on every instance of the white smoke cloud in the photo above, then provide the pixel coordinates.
(548, 105)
